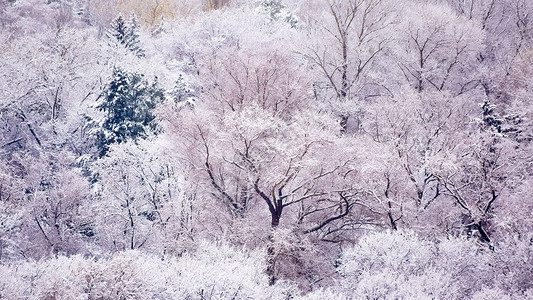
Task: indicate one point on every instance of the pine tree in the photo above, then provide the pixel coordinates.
(126, 34)
(118, 30)
(490, 118)
(128, 103)
(278, 12)
(182, 92)
(133, 43)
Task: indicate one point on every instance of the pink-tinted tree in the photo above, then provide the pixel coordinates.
(256, 145)
(438, 49)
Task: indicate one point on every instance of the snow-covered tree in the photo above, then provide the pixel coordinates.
(140, 201)
(126, 34)
(266, 149)
(128, 105)
(213, 271)
(439, 49)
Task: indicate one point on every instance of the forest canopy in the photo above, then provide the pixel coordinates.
(266, 149)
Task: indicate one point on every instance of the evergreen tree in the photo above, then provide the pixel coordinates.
(118, 30)
(126, 34)
(278, 12)
(133, 43)
(182, 92)
(128, 104)
(490, 118)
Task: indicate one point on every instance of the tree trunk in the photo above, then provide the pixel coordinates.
(271, 260)
(275, 220)
(271, 250)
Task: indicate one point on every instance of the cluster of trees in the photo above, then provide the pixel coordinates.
(266, 149)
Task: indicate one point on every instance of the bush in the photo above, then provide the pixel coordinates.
(214, 271)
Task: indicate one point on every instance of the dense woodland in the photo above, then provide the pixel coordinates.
(266, 149)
